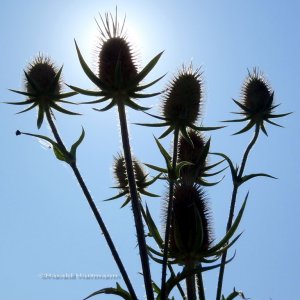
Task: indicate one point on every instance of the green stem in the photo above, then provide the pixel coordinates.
(232, 207)
(169, 218)
(94, 209)
(200, 286)
(190, 285)
(136, 206)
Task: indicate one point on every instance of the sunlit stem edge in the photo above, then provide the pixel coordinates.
(169, 217)
(94, 209)
(136, 205)
(232, 207)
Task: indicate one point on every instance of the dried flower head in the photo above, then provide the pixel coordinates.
(181, 105)
(42, 73)
(257, 102)
(191, 230)
(118, 78)
(120, 175)
(115, 55)
(43, 88)
(257, 95)
(196, 154)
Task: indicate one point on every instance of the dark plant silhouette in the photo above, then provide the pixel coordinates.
(187, 242)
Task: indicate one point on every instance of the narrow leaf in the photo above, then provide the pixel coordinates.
(62, 110)
(76, 144)
(248, 177)
(167, 132)
(159, 169)
(22, 93)
(112, 291)
(88, 71)
(64, 95)
(232, 229)
(153, 229)
(85, 92)
(142, 87)
(147, 69)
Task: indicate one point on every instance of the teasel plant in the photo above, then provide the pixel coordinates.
(181, 108)
(187, 239)
(191, 242)
(257, 108)
(43, 86)
(119, 82)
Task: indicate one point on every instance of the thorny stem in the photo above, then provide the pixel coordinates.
(136, 206)
(169, 265)
(191, 286)
(200, 286)
(232, 207)
(169, 218)
(94, 209)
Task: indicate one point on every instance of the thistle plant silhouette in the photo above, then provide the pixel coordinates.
(187, 241)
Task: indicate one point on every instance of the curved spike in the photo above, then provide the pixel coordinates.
(109, 106)
(142, 87)
(22, 93)
(88, 71)
(246, 128)
(62, 110)
(135, 106)
(167, 132)
(85, 92)
(27, 109)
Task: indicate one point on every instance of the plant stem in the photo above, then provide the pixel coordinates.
(94, 209)
(180, 289)
(169, 218)
(136, 205)
(200, 286)
(190, 285)
(232, 207)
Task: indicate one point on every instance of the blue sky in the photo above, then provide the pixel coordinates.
(46, 225)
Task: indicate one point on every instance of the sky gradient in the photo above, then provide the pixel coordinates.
(46, 226)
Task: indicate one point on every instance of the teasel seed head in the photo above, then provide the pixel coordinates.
(121, 175)
(257, 103)
(117, 78)
(191, 231)
(182, 102)
(116, 54)
(196, 154)
(43, 86)
(257, 95)
(42, 73)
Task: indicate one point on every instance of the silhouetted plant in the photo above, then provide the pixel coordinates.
(187, 240)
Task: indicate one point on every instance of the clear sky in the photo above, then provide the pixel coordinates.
(46, 225)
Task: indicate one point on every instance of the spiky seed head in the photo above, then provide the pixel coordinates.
(191, 231)
(193, 154)
(42, 72)
(121, 174)
(257, 95)
(140, 175)
(182, 102)
(116, 67)
(116, 54)
(120, 171)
